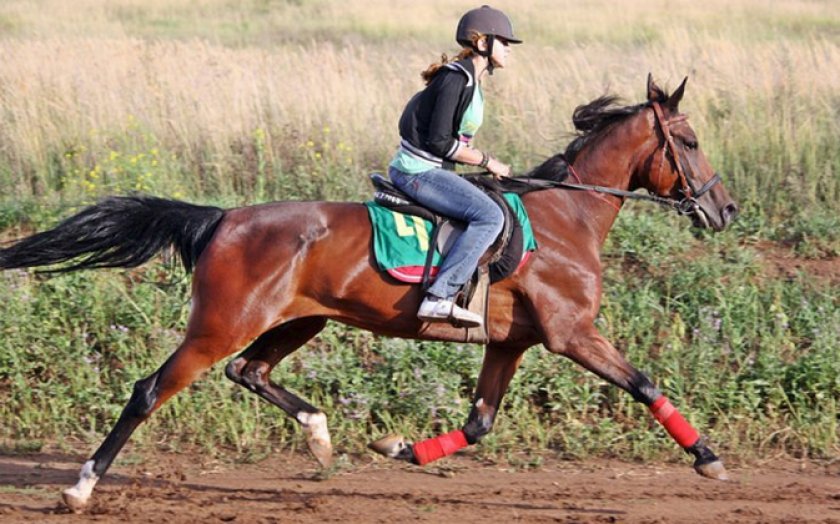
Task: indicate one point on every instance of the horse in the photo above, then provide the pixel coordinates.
(267, 278)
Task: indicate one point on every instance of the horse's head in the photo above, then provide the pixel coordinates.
(676, 167)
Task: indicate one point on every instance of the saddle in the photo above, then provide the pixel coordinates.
(500, 260)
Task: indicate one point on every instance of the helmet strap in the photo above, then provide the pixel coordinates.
(488, 54)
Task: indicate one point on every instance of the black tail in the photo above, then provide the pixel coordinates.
(118, 232)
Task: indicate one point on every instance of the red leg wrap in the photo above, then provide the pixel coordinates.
(674, 423)
(439, 447)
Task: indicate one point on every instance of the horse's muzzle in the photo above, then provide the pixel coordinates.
(715, 219)
(729, 213)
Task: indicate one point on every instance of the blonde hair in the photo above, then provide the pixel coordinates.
(466, 52)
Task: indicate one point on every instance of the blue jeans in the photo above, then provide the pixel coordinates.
(450, 195)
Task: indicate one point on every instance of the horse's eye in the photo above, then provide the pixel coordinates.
(691, 144)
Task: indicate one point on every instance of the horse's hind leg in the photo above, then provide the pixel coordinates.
(182, 368)
(596, 354)
(251, 370)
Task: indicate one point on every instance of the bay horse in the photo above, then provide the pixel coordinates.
(267, 278)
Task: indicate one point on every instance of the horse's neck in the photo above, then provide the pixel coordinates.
(603, 166)
(611, 162)
(613, 158)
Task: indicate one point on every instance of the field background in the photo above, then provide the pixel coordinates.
(239, 102)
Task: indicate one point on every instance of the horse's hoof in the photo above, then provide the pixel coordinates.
(317, 437)
(322, 451)
(713, 470)
(389, 445)
(76, 498)
(73, 500)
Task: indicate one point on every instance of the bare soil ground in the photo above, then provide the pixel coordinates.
(286, 488)
(778, 261)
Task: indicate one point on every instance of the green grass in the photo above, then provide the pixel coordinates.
(750, 361)
(814, 234)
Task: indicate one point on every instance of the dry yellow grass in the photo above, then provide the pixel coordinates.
(197, 78)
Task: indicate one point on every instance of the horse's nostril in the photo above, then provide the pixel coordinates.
(730, 211)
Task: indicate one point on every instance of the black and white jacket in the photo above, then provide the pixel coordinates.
(431, 119)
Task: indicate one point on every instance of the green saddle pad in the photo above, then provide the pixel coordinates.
(401, 242)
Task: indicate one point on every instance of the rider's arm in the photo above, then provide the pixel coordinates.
(474, 157)
(447, 86)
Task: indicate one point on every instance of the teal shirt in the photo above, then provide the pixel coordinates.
(470, 122)
(473, 116)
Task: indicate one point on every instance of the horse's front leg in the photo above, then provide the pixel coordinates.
(595, 353)
(500, 364)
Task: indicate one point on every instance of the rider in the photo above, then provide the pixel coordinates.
(436, 128)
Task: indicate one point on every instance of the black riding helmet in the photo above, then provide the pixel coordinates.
(485, 21)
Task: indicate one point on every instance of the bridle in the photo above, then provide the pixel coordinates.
(687, 205)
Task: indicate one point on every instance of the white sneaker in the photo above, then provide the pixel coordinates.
(443, 310)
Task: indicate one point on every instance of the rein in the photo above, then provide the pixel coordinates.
(686, 206)
(683, 207)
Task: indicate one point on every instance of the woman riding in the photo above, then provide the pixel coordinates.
(436, 128)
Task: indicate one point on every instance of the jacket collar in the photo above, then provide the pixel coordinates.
(465, 66)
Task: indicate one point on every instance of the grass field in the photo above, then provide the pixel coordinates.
(234, 103)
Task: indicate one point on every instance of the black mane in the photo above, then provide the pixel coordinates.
(590, 121)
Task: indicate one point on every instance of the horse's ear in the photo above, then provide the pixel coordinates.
(654, 93)
(674, 101)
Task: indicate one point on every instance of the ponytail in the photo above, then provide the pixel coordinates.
(466, 52)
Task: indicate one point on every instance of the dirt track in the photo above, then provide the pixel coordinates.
(177, 488)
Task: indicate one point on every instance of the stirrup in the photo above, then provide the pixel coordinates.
(445, 310)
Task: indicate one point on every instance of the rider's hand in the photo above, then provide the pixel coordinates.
(498, 169)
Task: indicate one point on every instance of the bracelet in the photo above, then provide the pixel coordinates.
(485, 159)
